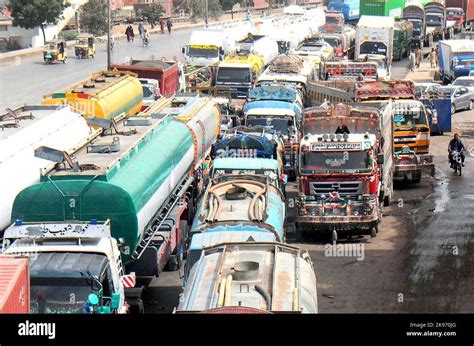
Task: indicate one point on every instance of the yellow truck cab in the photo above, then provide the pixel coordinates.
(238, 72)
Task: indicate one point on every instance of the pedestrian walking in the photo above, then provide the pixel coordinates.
(419, 57)
(162, 26)
(432, 58)
(412, 61)
(141, 30)
(132, 33)
(169, 25)
(437, 55)
(127, 32)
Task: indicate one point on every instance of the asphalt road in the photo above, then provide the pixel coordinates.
(26, 80)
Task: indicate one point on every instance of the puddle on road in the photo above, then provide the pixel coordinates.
(443, 195)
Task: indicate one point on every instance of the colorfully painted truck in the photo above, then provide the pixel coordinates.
(344, 178)
(165, 72)
(106, 94)
(251, 277)
(416, 15)
(466, 5)
(89, 215)
(456, 58)
(402, 39)
(457, 15)
(435, 16)
(374, 37)
(349, 70)
(23, 130)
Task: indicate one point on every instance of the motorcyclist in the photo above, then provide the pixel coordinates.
(456, 144)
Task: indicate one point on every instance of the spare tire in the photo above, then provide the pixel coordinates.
(236, 193)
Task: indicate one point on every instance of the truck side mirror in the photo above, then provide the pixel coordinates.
(380, 158)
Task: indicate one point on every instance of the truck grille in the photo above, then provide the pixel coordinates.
(345, 188)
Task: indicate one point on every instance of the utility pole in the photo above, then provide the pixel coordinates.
(206, 19)
(109, 28)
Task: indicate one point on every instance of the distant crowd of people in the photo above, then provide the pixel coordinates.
(144, 34)
(416, 57)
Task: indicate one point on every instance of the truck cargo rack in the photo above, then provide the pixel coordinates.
(160, 217)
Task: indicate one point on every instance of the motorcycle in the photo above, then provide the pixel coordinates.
(456, 162)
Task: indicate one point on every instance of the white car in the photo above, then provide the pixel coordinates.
(466, 81)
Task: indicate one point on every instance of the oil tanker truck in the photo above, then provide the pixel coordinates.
(106, 94)
(251, 277)
(23, 130)
(115, 210)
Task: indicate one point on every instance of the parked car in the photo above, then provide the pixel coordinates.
(465, 81)
(461, 97)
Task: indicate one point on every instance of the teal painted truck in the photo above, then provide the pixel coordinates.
(125, 195)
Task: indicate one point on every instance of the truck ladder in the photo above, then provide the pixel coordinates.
(160, 217)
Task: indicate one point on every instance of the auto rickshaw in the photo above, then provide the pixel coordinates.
(55, 51)
(85, 46)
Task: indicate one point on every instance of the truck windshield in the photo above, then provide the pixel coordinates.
(334, 42)
(233, 75)
(203, 52)
(409, 119)
(148, 91)
(58, 296)
(433, 20)
(277, 123)
(332, 20)
(335, 160)
(370, 47)
(417, 26)
(463, 61)
(311, 48)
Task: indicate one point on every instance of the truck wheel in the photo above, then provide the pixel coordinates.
(138, 308)
(334, 235)
(172, 264)
(373, 232)
(417, 178)
(386, 201)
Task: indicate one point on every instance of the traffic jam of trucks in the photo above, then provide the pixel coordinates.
(160, 165)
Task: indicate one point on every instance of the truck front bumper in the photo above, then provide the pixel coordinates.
(350, 225)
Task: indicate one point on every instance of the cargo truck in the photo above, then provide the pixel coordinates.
(456, 58)
(411, 131)
(87, 215)
(341, 38)
(384, 8)
(14, 285)
(105, 94)
(402, 39)
(435, 16)
(205, 47)
(374, 37)
(165, 72)
(238, 72)
(344, 178)
(349, 8)
(251, 277)
(416, 15)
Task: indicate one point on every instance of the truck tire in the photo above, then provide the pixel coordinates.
(173, 263)
(417, 178)
(386, 201)
(138, 308)
(374, 231)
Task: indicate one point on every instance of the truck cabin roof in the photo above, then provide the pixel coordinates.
(67, 265)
